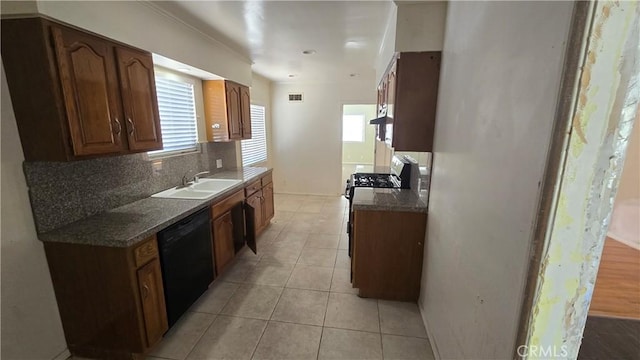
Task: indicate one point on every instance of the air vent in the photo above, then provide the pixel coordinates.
(295, 97)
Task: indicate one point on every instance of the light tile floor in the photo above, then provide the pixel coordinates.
(294, 300)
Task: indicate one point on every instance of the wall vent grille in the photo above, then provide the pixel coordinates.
(295, 97)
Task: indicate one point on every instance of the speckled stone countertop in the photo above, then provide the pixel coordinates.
(129, 224)
(379, 199)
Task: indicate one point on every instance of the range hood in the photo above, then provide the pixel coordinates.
(382, 120)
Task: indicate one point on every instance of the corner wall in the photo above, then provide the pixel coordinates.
(500, 76)
(31, 327)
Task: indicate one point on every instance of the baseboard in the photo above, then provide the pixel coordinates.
(64, 355)
(434, 346)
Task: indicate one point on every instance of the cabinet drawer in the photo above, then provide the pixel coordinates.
(267, 179)
(146, 251)
(253, 187)
(226, 204)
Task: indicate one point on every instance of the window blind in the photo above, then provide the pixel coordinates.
(176, 104)
(254, 150)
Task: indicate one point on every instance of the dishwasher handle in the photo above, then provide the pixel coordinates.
(176, 231)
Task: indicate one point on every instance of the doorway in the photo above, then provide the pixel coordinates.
(613, 323)
(358, 139)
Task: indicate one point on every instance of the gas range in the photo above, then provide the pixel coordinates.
(399, 177)
(374, 180)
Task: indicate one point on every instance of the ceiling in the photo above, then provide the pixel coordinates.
(346, 35)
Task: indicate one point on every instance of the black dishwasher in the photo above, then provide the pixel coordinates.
(187, 262)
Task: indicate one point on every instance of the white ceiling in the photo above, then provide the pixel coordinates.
(346, 35)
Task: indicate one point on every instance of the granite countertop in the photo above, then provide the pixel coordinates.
(129, 224)
(380, 199)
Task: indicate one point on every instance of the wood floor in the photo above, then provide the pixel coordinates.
(617, 289)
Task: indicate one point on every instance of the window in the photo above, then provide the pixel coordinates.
(254, 150)
(176, 104)
(353, 128)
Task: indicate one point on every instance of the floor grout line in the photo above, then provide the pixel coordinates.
(195, 344)
(267, 244)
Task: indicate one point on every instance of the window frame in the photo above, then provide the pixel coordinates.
(198, 106)
(266, 142)
(363, 136)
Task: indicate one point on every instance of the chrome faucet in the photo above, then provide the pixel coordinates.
(186, 180)
(196, 177)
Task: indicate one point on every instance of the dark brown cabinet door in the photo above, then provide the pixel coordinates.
(245, 112)
(233, 110)
(255, 201)
(391, 91)
(223, 241)
(90, 88)
(152, 298)
(139, 100)
(267, 195)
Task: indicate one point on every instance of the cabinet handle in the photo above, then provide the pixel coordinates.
(133, 128)
(145, 291)
(119, 130)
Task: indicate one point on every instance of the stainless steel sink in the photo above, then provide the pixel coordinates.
(202, 190)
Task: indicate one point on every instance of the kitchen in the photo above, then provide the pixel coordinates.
(58, 199)
(290, 133)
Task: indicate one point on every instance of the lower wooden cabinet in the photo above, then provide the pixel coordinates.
(223, 241)
(152, 299)
(387, 255)
(111, 300)
(267, 194)
(228, 229)
(255, 201)
(260, 199)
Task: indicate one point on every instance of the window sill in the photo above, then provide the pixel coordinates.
(175, 153)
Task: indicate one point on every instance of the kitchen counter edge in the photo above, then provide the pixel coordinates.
(381, 199)
(130, 224)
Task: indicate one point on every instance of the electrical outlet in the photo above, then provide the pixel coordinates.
(218, 163)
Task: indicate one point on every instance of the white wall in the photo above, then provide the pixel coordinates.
(411, 27)
(420, 27)
(499, 83)
(31, 327)
(140, 24)
(629, 187)
(307, 136)
(388, 44)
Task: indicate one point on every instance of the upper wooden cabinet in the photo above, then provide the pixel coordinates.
(139, 99)
(408, 96)
(76, 94)
(227, 110)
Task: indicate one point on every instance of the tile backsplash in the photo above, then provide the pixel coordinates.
(64, 192)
